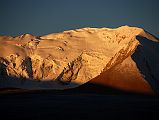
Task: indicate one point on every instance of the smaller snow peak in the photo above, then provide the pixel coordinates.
(129, 28)
(124, 26)
(27, 36)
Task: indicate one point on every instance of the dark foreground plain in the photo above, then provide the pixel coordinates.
(42, 105)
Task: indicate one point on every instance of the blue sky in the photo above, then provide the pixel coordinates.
(40, 17)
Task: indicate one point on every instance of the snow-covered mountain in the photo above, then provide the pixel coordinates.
(125, 58)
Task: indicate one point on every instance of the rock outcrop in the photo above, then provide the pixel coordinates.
(125, 58)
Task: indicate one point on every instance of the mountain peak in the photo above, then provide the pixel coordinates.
(74, 57)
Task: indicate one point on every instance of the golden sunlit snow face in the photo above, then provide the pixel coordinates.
(74, 57)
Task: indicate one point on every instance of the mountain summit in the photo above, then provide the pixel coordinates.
(125, 58)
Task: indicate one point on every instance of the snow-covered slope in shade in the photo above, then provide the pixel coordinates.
(125, 58)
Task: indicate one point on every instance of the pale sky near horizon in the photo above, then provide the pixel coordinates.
(41, 17)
